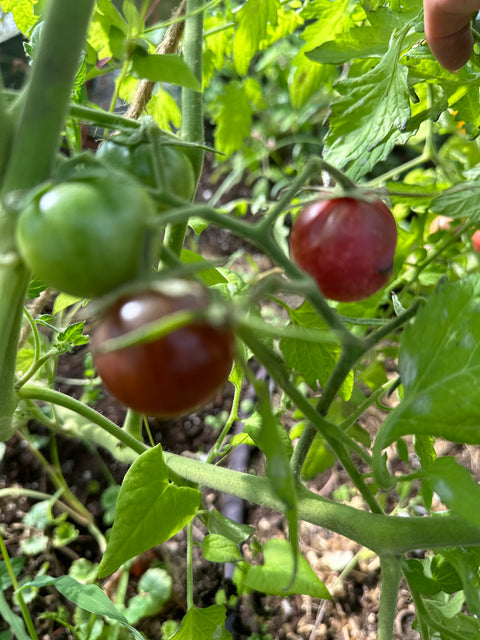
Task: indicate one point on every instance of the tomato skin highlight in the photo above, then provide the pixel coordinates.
(86, 237)
(346, 245)
(169, 376)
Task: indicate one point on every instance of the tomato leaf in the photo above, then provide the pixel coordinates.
(310, 76)
(439, 364)
(464, 562)
(315, 362)
(217, 548)
(461, 202)
(380, 102)
(149, 510)
(166, 67)
(274, 576)
(219, 524)
(23, 13)
(456, 487)
(203, 624)
(252, 28)
(233, 115)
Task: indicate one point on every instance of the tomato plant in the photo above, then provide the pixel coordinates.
(86, 236)
(137, 159)
(347, 245)
(380, 395)
(171, 375)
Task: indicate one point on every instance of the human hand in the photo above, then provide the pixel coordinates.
(447, 27)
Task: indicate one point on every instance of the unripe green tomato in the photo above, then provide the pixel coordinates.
(86, 237)
(137, 160)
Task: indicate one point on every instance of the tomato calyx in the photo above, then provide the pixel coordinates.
(346, 188)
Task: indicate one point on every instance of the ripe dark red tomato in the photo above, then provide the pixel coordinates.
(346, 245)
(171, 375)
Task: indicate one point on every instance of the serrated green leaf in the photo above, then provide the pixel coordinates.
(167, 67)
(274, 576)
(203, 624)
(149, 510)
(331, 18)
(233, 118)
(371, 114)
(252, 29)
(164, 110)
(439, 366)
(460, 202)
(71, 337)
(23, 13)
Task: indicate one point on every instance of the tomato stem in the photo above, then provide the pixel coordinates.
(35, 392)
(382, 533)
(192, 128)
(189, 565)
(21, 602)
(35, 142)
(339, 441)
(390, 584)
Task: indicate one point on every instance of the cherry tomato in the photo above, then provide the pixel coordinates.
(86, 237)
(171, 375)
(346, 245)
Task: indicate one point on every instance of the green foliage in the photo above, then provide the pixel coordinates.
(286, 86)
(274, 576)
(87, 596)
(203, 624)
(149, 510)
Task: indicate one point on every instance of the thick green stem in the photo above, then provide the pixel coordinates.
(335, 381)
(391, 575)
(34, 392)
(189, 565)
(382, 534)
(192, 101)
(35, 143)
(47, 96)
(192, 110)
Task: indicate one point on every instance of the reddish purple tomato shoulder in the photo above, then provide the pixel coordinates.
(346, 245)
